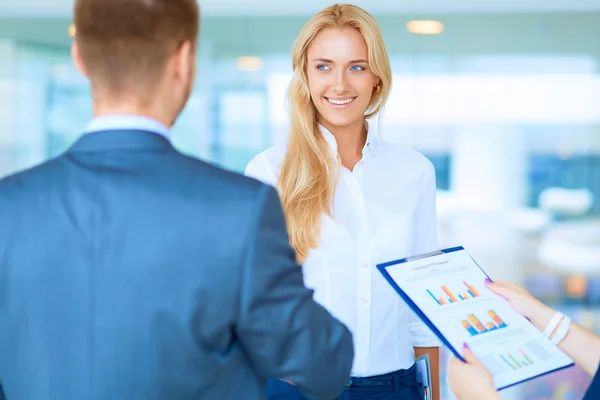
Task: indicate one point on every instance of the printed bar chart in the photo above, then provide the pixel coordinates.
(475, 321)
(449, 296)
(514, 363)
(497, 320)
(475, 327)
(472, 290)
(526, 357)
(469, 328)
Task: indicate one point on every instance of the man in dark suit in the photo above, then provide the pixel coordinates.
(130, 271)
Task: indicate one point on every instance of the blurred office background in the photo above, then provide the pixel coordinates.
(503, 96)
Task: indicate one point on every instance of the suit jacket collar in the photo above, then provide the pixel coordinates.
(132, 140)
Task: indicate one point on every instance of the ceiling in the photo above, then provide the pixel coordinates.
(62, 8)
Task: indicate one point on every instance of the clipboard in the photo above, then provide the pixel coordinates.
(445, 290)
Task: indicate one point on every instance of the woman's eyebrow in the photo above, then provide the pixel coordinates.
(331, 62)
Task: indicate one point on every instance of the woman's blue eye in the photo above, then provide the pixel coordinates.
(323, 67)
(357, 68)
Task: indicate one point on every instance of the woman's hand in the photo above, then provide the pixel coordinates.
(523, 302)
(471, 380)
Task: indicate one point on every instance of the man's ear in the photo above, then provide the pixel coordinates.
(184, 55)
(76, 57)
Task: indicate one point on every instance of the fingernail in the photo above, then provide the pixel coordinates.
(465, 346)
(488, 280)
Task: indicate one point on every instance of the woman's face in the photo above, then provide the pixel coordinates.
(340, 80)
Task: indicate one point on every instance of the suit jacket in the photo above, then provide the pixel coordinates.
(130, 271)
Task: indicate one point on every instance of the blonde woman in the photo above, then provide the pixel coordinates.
(352, 200)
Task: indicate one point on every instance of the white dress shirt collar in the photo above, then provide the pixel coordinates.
(127, 122)
(370, 144)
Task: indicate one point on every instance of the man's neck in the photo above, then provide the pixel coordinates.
(100, 110)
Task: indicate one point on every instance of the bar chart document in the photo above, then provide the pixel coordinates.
(446, 290)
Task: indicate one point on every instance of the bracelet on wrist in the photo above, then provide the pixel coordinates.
(554, 321)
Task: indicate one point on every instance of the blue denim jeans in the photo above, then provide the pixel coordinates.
(399, 385)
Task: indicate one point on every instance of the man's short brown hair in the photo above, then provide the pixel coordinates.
(126, 43)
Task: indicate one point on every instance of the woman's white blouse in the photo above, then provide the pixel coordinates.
(383, 210)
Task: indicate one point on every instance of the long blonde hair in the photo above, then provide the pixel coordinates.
(306, 183)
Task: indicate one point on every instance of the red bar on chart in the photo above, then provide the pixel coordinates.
(473, 319)
(449, 293)
(499, 322)
(472, 289)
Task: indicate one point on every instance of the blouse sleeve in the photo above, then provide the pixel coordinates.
(426, 241)
(259, 169)
(425, 215)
